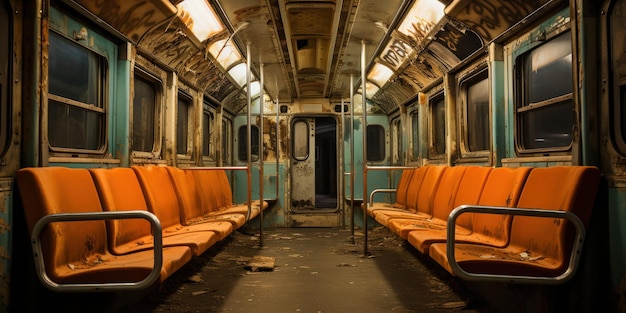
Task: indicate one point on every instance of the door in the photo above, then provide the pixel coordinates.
(314, 173)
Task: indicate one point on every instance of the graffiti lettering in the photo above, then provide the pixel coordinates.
(396, 53)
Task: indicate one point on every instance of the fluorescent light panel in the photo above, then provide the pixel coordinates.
(199, 18)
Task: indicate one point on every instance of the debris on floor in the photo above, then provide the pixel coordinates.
(261, 263)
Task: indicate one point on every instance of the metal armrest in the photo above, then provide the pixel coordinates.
(106, 215)
(574, 257)
(375, 191)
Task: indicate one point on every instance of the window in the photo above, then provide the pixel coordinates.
(545, 111)
(438, 125)
(415, 142)
(226, 140)
(182, 124)
(301, 140)
(243, 143)
(76, 96)
(207, 122)
(375, 143)
(617, 96)
(145, 113)
(476, 126)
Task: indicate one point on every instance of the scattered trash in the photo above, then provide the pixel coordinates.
(454, 305)
(195, 278)
(261, 263)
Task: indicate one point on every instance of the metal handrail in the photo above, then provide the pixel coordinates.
(40, 267)
(566, 275)
(380, 190)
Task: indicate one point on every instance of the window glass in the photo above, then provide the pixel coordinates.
(144, 114)
(438, 128)
(477, 126)
(207, 121)
(375, 143)
(300, 140)
(226, 140)
(243, 143)
(76, 77)
(545, 111)
(182, 124)
(415, 135)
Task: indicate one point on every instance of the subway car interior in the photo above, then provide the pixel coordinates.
(313, 155)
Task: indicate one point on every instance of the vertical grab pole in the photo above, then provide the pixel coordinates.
(352, 151)
(364, 130)
(261, 157)
(343, 164)
(276, 141)
(249, 143)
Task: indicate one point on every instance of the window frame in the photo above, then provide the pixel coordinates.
(158, 85)
(190, 123)
(519, 89)
(466, 80)
(101, 108)
(208, 110)
(381, 141)
(226, 141)
(433, 154)
(242, 142)
(617, 77)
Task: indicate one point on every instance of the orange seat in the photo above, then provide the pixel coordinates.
(483, 186)
(162, 200)
(419, 197)
(216, 194)
(190, 195)
(442, 204)
(120, 190)
(539, 247)
(400, 194)
(77, 252)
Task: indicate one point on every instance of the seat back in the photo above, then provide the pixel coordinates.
(562, 188)
(412, 191)
(119, 190)
(192, 208)
(159, 193)
(207, 185)
(502, 188)
(469, 191)
(403, 187)
(51, 190)
(446, 191)
(225, 194)
(427, 189)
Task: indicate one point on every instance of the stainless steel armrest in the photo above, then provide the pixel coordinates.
(574, 257)
(106, 215)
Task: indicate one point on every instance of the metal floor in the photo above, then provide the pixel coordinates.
(315, 270)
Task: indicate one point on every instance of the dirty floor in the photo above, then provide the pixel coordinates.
(297, 270)
(313, 270)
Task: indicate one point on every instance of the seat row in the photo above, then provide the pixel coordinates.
(523, 224)
(124, 228)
